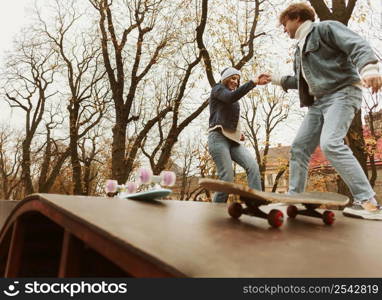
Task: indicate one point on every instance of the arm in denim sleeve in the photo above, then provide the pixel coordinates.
(223, 94)
(357, 48)
(289, 83)
(286, 82)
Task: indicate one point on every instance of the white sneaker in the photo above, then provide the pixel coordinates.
(366, 210)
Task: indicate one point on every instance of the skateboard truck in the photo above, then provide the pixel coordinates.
(328, 217)
(146, 176)
(112, 188)
(275, 217)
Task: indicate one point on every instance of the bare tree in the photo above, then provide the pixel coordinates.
(10, 154)
(244, 47)
(262, 115)
(30, 85)
(205, 167)
(340, 10)
(80, 62)
(374, 132)
(54, 152)
(187, 157)
(142, 17)
(29, 75)
(238, 52)
(168, 139)
(89, 157)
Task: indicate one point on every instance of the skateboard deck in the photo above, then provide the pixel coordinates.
(253, 199)
(149, 195)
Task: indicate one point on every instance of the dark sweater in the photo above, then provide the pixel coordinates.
(224, 106)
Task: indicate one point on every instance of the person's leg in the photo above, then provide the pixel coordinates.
(243, 157)
(304, 144)
(339, 110)
(219, 148)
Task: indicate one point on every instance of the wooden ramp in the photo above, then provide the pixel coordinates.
(50, 235)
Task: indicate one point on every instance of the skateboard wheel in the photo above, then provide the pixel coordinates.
(168, 178)
(235, 210)
(131, 187)
(292, 211)
(144, 175)
(111, 186)
(328, 217)
(275, 218)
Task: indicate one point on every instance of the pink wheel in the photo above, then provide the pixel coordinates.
(131, 187)
(144, 175)
(275, 218)
(235, 210)
(328, 217)
(168, 178)
(111, 186)
(292, 211)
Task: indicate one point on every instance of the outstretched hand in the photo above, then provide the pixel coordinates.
(263, 79)
(373, 82)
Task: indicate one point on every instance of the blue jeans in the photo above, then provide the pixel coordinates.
(223, 152)
(326, 124)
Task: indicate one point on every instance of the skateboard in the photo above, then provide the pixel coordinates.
(253, 199)
(149, 195)
(146, 186)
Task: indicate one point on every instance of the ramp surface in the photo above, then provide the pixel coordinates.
(55, 235)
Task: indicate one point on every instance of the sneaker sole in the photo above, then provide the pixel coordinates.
(362, 215)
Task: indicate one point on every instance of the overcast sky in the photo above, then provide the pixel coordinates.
(13, 16)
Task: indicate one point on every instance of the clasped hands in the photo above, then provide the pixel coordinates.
(262, 79)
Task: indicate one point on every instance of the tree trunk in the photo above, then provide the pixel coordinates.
(278, 176)
(47, 185)
(118, 155)
(87, 177)
(26, 169)
(373, 167)
(76, 168)
(74, 157)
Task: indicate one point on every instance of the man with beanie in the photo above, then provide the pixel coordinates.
(329, 61)
(224, 138)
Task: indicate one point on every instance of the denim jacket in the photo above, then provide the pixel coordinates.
(331, 56)
(224, 105)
